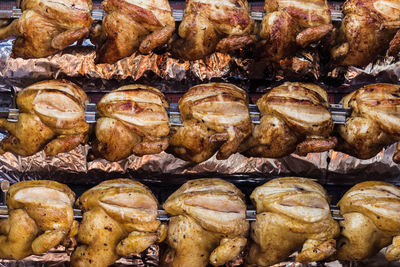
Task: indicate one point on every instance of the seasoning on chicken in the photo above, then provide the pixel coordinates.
(369, 28)
(132, 25)
(291, 25)
(292, 214)
(294, 117)
(133, 120)
(207, 224)
(52, 117)
(119, 219)
(40, 218)
(374, 122)
(371, 212)
(215, 118)
(209, 26)
(48, 26)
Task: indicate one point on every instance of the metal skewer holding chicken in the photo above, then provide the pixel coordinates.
(119, 219)
(207, 225)
(215, 118)
(51, 117)
(371, 212)
(292, 214)
(294, 117)
(48, 26)
(132, 25)
(40, 218)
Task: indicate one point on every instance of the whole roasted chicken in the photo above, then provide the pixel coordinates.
(294, 117)
(291, 25)
(119, 219)
(133, 120)
(48, 26)
(209, 26)
(132, 25)
(369, 28)
(371, 212)
(292, 214)
(52, 117)
(215, 118)
(374, 122)
(207, 224)
(40, 218)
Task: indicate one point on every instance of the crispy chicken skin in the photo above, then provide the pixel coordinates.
(374, 123)
(133, 120)
(40, 218)
(367, 30)
(209, 26)
(132, 25)
(215, 118)
(294, 117)
(292, 25)
(207, 224)
(119, 219)
(52, 117)
(371, 221)
(48, 26)
(292, 214)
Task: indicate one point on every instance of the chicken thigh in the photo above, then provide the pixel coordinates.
(291, 25)
(48, 26)
(371, 212)
(294, 116)
(215, 118)
(40, 218)
(292, 214)
(208, 26)
(52, 116)
(367, 30)
(207, 224)
(119, 219)
(374, 122)
(132, 25)
(133, 120)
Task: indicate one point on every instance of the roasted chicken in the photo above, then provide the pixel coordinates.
(40, 218)
(371, 212)
(294, 117)
(207, 224)
(133, 120)
(291, 25)
(119, 219)
(369, 28)
(52, 117)
(209, 26)
(132, 25)
(292, 214)
(48, 26)
(374, 122)
(215, 118)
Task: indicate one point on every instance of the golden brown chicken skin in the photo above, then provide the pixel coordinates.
(215, 118)
(207, 224)
(40, 218)
(367, 30)
(52, 117)
(291, 25)
(209, 26)
(48, 26)
(374, 122)
(132, 25)
(371, 221)
(133, 120)
(294, 117)
(119, 219)
(292, 213)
